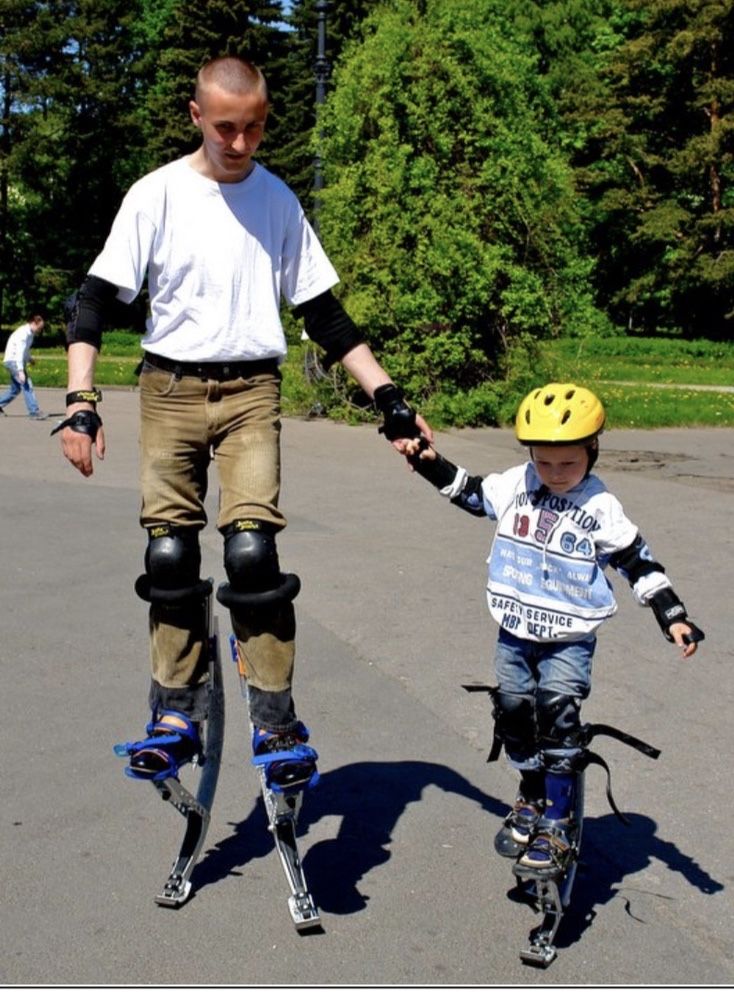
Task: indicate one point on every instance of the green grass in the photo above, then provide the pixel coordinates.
(622, 359)
(658, 371)
(50, 370)
(639, 406)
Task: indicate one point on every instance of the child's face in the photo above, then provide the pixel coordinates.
(560, 466)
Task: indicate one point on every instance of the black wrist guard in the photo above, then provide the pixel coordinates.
(399, 417)
(668, 609)
(92, 396)
(439, 472)
(83, 422)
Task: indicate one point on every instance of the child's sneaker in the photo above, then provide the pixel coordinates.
(518, 827)
(288, 764)
(173, 740)
(551, 849)
(524, 818)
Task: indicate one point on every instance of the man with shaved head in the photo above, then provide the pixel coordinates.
(222, 242)
(236, 76)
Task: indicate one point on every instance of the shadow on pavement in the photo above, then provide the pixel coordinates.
(609, 853)
(371, 797)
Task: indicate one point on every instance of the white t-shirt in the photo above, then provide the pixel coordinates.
(546, 578)
(18, 347)
(219, 259)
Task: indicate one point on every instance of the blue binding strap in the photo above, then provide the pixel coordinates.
(157, 756)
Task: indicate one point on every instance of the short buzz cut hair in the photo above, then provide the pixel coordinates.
(233, 74)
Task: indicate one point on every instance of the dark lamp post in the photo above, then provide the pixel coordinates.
(321, 73)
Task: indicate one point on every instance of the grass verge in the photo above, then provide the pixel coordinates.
(643, 382)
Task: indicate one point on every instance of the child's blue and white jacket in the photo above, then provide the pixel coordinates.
(546, 578)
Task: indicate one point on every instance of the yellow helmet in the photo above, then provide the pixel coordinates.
(559, 413)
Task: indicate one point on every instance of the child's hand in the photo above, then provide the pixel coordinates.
(419, 449)
(682, 635)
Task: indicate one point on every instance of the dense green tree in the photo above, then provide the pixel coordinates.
(445, 144)
(30, 50)
(643, 97)
(451, 218)
(572, 39)
(658, 169)
(69, 67)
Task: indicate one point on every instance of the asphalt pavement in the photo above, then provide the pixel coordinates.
(397, 837)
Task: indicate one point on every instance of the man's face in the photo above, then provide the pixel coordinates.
(232, 127)
(560, 466)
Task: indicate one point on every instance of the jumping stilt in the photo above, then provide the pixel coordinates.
(282, 808)
(551, 892)
(550, 887)
(195, 809)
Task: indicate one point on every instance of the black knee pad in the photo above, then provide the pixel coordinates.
(252, 567)
(514, 723)
(173, 564)
(559, 731)
(251, 557)
(559, 719)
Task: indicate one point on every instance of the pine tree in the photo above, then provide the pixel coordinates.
(70, 95)
(25, 60)
(662, 177)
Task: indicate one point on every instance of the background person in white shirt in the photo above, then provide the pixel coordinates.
(17, 359)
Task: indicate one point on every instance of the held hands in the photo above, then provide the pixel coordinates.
(419, 450)
(401, 424)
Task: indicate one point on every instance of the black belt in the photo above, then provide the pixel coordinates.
(217, 371)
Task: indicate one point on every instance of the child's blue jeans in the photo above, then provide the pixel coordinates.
(523, 667)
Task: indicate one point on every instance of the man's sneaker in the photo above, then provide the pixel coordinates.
(39, 416)
(288, 764)
(551, 849)
(173, 740)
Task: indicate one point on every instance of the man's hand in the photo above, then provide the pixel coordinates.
(82, 427)
(78, 449)
(402, 425)
(81, 431)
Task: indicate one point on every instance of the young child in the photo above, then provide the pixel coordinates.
(558, 527)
